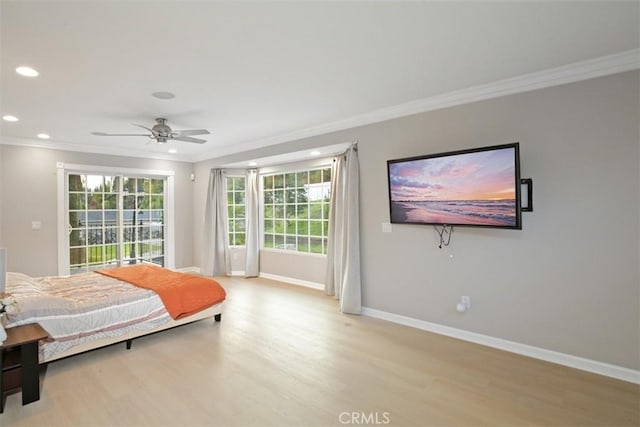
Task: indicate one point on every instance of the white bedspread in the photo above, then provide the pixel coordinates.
(82, 308)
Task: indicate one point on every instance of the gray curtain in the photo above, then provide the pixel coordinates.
(252, 268)
(216, 259)
(343, 254)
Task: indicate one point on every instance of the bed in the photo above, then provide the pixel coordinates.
(91, 310)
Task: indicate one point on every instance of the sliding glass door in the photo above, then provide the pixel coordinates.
(114, 220)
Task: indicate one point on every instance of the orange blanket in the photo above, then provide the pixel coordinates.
(182, 294)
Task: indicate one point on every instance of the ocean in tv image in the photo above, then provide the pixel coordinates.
(476, 188)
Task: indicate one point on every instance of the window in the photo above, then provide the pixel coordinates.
(113, 220)
(236, 210)
(296, 210)
(143, 220)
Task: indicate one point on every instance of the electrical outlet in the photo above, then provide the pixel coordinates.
(466, 300)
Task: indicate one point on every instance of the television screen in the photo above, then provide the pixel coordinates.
(478, 187)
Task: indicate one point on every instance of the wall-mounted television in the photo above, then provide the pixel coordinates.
(479, 187)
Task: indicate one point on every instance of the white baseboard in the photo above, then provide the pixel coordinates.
(564, 359)
(305, 283)
(571, 361)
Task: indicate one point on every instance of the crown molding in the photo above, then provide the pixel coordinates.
(111, 151)
(570, 73)
(574, 72)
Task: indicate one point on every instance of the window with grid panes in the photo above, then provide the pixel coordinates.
(114, 220)
(236, 210)
(296, 210)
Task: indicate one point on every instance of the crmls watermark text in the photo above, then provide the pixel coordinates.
(364, 418)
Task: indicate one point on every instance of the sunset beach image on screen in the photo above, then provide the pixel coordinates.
(476, 188)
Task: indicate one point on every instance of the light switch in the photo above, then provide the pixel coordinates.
(36, 225)
(386, 227)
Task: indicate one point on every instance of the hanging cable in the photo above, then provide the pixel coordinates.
(447, 230)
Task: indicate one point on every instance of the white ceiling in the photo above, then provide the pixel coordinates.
(260, 73)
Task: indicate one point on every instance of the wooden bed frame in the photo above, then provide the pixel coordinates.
(214, 311)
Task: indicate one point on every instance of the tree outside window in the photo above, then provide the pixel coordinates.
(296, 210)
(114, 220)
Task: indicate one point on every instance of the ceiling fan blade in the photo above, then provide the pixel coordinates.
(190, 132)
(143, 127)
(189, 139)
(119, 134)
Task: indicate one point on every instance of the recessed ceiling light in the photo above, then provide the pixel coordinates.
(315, 153)
(253, 164)
(173, 151)
(43, 136)
(10, 118)
(23, 70)
(163, 95)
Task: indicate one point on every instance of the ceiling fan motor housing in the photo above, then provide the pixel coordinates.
(161, 130)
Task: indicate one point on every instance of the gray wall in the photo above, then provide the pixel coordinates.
(28, 180)
(310, 268)
(569, 280)
(1, 199)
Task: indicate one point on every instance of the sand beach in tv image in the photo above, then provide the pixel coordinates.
(476, 188)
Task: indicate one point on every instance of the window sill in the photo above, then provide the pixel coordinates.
(290, 252)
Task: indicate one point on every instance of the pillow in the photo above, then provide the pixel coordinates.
(34, 300)
(18, 283)
(13, 276)
(37, 308)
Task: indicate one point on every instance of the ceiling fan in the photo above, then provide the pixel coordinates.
(161, 133)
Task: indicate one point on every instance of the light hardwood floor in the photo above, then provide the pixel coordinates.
(284, 356)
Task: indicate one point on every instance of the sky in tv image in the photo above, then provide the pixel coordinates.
(475, 188)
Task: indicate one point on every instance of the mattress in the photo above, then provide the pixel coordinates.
(78, 309)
